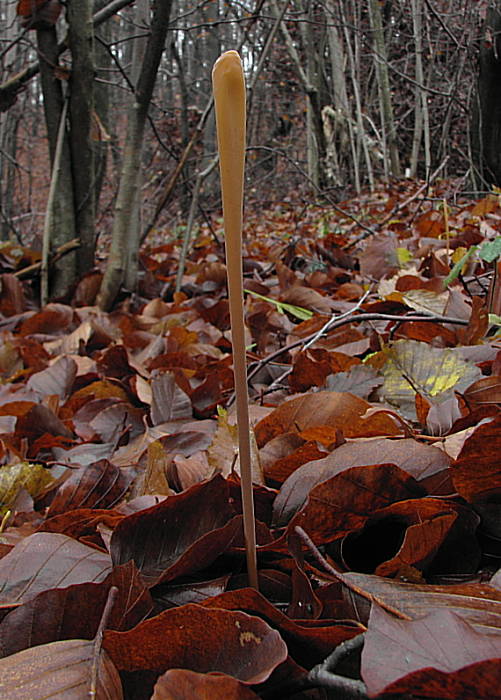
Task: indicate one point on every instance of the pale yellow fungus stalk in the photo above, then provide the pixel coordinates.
(229, 95)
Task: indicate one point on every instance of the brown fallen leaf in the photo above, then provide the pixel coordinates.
(476, 473)
(75, 612)
(182, 534)
(202, 640)
(60, 669)
(477, 603)
(182, 684)
(423, 462)
(396, 650)
(343, 411)
(48, 560)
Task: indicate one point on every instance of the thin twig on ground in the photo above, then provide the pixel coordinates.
(346, 581)
(338, 321)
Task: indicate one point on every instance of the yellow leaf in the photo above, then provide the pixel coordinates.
(23, 475)
(435, 373)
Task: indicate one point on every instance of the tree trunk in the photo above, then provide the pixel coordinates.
(62, 219)
(486, 127)
(141, 21)
(421, 115)
(9, 123)
(310, 81)
(123, 239)
(392, 162)
(102, 99)
(81, 41)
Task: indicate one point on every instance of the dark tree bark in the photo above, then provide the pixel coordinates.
(62, 227)
(486, 126)
(81, 41)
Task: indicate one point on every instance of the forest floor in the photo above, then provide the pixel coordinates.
(374, 366)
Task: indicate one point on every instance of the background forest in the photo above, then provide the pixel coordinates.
(113, 99)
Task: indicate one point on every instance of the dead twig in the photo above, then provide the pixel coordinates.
(342, 578)
(337, 322)
(59, 253)
(98, 640)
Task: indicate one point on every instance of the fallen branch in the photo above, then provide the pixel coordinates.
(323, 676)
(59, 253)
(338, 321)
(342, 578)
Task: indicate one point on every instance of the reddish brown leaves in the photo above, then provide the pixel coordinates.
(180, 535)
(342, 411)
(202, 640)
(477, 473)
(180, 684)
(117, 419)
(424, 463)
(344, 502)
(75, 612)
(60, 669)
(308, 640)
(100, 485)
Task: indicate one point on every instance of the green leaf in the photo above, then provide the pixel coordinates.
(403, 256)
(282, 307)
(454, 273)
(491, 250)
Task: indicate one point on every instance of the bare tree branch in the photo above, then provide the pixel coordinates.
(11, 87)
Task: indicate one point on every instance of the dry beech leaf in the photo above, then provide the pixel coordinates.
(484, 391)
(48, 560)
(223, 450)
(407, 370)
(360, 380)
(98, 485)
(345, 501)
(477, 603)
(477, 472)
(343, 411)
(182, 684)
(196, 637)
(395, 651)
(169, 402)
(422, 462)
(308, 640)
(56, 379)
(75, 612)
(182, 534)
(307, 298)
(424, 301)
(59, 670)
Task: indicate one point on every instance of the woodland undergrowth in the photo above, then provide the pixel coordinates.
(374, 369)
